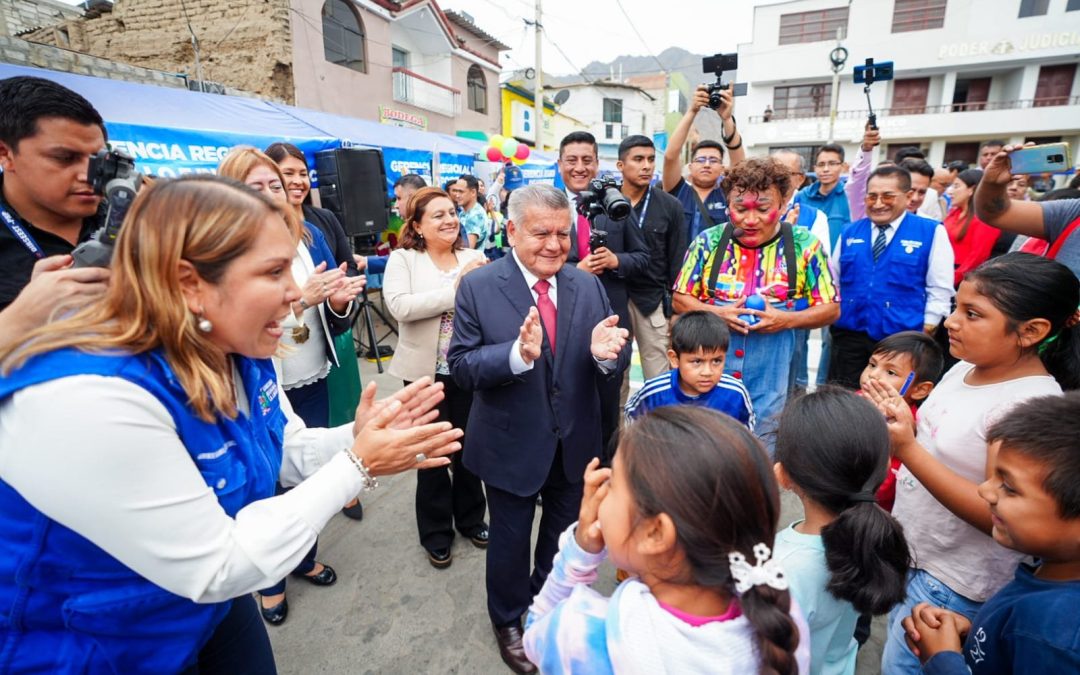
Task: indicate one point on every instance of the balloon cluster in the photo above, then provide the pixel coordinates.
(502, 149)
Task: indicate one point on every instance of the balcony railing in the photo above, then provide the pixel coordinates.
(422, 92)
(924, 110)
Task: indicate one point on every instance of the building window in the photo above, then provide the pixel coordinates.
(804, 100)
(613, 118)
(1072, 6)
(971, 94)
(477, 87)
(909, 96)
(909, 15)
(1055, 85)
(812, 26)
(1033, 7)
(343, 35)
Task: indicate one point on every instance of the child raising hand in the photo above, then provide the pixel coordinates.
(689, 508)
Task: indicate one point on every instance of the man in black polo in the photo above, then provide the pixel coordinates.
(47, 135)
(660, 217)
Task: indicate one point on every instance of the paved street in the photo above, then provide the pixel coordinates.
(391, 612)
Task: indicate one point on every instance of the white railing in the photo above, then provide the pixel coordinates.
(422, 92)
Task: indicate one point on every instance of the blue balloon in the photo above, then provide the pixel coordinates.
(757, 302)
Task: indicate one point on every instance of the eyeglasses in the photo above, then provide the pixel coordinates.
(887, 198)
(707, 160)
(827, 165)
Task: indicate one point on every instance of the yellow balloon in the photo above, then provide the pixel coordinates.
(496, 141)
(517, 161)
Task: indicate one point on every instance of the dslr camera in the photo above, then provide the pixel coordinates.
(603, 196)
(718, 64)
(112, 175)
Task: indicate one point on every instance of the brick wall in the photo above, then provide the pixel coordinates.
(20, 15)
(245, 46)
(23, 53)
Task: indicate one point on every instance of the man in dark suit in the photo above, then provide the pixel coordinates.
(534, 339)
(625, 257)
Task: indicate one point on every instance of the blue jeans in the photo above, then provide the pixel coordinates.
(823, 363)
(799, 376)
(763, 362)
(922, 586)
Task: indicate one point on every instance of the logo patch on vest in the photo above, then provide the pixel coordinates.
(910, 245)
(268, 393)
(854, 240)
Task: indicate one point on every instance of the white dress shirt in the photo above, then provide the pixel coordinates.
(939, 273)
(931, 206)
(101, 456)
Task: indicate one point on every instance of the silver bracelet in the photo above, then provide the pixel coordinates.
(369, 481)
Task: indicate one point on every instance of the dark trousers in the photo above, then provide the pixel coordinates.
(510, 585)
(851, 351)
(311, 403)
(305, 566)
(453, 495)
(610, 412)
(238, 646)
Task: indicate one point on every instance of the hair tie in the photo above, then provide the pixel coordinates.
(1045, 344)
(864, 496)
(766, 572)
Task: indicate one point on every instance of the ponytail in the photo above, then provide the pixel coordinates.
(867, 558)
(1026, 287)
(769, 612)
(840, 467)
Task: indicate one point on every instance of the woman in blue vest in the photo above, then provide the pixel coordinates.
(141, 438)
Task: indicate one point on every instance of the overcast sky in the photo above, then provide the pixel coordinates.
(598, 30)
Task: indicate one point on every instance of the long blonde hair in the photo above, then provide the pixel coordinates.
(242, 160)
(208, 221)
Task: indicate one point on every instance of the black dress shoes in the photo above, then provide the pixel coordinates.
(440, 558)
(356, 511)
(511, 650)
(275, 616)
(325, 578)
(479, 539)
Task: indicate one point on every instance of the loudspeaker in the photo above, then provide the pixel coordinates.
(352, 184)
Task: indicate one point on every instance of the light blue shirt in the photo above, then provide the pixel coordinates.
(475, 221)
(832, 622)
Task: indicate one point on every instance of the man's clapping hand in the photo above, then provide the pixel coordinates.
(608, 339)
(531, 337)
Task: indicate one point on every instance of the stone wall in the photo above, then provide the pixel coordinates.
(23, 53)
(243, 45)
(17, 16)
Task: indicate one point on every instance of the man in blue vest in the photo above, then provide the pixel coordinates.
(895, 270)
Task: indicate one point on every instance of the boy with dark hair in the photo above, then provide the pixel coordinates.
(826, 193)
(1031, 625)
(894, 359)
(47, 207)
(699, 343)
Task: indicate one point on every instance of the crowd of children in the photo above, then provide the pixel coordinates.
(980, 471)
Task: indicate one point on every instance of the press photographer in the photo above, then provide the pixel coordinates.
(47, 135)
(616, 255)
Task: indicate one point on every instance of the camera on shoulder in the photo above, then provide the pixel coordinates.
(603, 196)
(112, 175)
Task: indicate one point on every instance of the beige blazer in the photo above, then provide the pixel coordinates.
(411, 286)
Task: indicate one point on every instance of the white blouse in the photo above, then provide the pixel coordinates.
(101, 456)
(306, 362)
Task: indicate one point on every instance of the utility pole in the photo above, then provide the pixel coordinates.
(538, 94)
(838, 57)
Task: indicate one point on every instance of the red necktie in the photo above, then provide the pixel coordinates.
(547, 311)
(583, 232)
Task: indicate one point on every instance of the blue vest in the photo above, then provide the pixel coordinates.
(888, 296)
(807, 215)
(67, 606)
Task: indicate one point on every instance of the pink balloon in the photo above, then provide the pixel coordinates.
(494, 155)
(522, 151)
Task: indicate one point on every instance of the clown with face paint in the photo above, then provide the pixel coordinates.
(758, 254)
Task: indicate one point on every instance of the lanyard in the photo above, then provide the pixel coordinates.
(21, 234)
(644, 207)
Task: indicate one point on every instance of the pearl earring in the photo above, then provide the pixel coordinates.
(202, 323)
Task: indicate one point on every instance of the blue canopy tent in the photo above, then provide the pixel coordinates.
(174, 131)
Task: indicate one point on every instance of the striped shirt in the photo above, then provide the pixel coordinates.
(729, 396)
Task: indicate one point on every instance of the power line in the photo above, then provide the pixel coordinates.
(565, 57)
(643, 43)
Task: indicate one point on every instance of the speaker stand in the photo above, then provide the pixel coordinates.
(371, 349)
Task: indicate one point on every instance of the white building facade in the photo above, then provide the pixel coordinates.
(611, 111)
(966, 71)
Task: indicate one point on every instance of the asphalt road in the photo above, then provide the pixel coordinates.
(391, 612)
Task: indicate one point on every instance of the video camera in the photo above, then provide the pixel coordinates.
(718, 64)
(868, 74)
(603, 196)
(112, 175)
